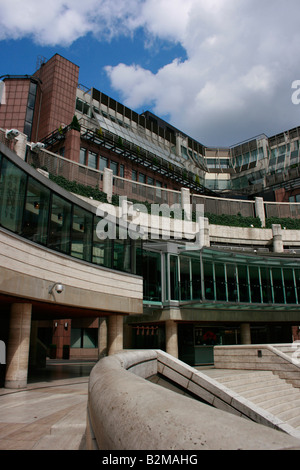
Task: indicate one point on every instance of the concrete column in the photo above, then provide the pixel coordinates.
(260, 210)
(108, 183)
(172, 338)
(102, 337)
(245, 333)
(277, 239)
(18, 346)
(115, 334)
(20, 145)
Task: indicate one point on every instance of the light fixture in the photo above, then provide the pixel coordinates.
(58, 286)
(12, 134)
(37, 145)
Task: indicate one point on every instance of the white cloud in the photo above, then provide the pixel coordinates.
(235, 81)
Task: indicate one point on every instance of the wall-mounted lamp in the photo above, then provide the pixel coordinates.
(55, 324)
(66, 325)
(58, 286)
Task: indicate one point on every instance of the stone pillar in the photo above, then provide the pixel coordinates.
(102, 337)
(245, 333)
(172, 338)
(277, 239)
(260, 210)
(18, 346)
(20, 145)
(115, 334)
(108, 183)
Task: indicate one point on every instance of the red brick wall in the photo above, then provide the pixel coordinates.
(12, 113)
(59, 84)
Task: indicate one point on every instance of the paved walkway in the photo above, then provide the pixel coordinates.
(50, 414)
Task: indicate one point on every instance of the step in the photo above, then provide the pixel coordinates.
(266, 402)
(276, 393)
(288, 414)
(260, 387)
(277, 410)
(241, 381)
(294, 422)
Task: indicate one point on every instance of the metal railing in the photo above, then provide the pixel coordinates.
(142, 192)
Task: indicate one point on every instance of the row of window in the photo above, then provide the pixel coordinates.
(190, 278)
(98, 162)
(32, 210)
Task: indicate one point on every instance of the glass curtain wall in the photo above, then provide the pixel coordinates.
(33, 211)
(206, 277)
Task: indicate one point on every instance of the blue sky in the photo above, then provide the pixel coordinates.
(219, 70)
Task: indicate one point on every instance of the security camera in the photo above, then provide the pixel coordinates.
(58, 288)
(12, 133)
(37, 146)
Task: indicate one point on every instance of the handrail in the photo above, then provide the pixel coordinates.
(127, 412)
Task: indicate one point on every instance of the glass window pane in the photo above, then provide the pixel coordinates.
(220, 281)
(254, 285)
(82, 156)
(122, 255)
(231, 283)
(185, 280)
(290, 294)
(196, 280)
(90, 338)
(243, 284)
(35, 225)
(174, 278)
(266, 285)
(75, 338)
(208, 281)
(297, 280)
(103, 163)
(151, 271)
(92, 160)
(114, 167)
(81, 237)
(12, 195)
(102, 247)
(277, 285)
(60, 223)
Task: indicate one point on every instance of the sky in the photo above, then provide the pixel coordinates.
(221, 71)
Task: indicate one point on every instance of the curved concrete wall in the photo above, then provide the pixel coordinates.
(127, 412)
(27, 271)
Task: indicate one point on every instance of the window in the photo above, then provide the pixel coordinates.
(35, 222)
(114, 167)
(82, 156)
(92, 160)
(60, 224)
(84, 337)
(81, 237)
(103, 163)
(12, 193)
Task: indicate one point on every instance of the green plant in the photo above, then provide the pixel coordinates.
(287, 222)
(75, 123)
(233, 220)
(77, 188)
